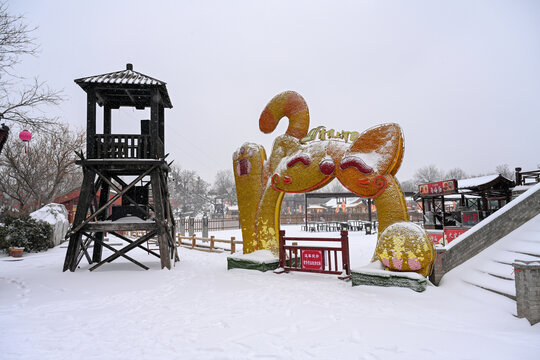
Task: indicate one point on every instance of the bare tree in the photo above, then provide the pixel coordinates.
(224, 186)
(409, 186)
(188, 191)
(20, 101)
(46, 171)
(456, 173)
(504, 170)
(335, 187)
(427, 174)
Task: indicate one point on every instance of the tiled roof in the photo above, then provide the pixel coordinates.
(128, 76)
(125, 88)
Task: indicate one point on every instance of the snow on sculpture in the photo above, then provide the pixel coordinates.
(303, 161)
(367, 169)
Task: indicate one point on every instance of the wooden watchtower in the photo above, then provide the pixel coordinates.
(126, 166)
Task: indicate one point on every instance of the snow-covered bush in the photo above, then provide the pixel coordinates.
(25, 232)
(55, 215)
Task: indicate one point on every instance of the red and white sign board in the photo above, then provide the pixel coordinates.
(438, 188)
(436, 237)
(312, 260)
(452, 234)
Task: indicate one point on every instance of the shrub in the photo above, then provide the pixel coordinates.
(33, 235)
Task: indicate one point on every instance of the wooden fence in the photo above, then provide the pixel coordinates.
(312, 258)
(213, 224)
(211, 240)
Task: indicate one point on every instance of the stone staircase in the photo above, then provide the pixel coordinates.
(495, 272)
(515, 219)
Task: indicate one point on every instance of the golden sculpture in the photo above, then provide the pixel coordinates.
(302, 162)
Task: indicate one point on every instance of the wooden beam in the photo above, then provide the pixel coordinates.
(154, 126)
(84, 248)
(103, 197)
(125, 249)
(109, 226)
(90, 123)
(82, 209)
(161, 123)
(115, 188)
(159, 215)
(113, 199)
(100, 99)
(107, 125)
(131, 241)
(130, 96)
(102, 243)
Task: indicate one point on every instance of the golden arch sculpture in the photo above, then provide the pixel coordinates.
(303, 161)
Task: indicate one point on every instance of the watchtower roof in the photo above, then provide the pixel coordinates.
(125, 88)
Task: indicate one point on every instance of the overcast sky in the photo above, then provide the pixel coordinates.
(462, 78)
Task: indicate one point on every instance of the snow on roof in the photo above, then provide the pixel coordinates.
(128, 76)
(458, 196)
(477, 181)
(316, 206)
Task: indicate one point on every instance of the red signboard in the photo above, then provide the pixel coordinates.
(452, 234)
(470, 218)
(436, 238)
(438, 188)
(312, 260)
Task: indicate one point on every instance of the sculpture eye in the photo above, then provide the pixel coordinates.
(303, 158)
(327, 166)
(357, 163)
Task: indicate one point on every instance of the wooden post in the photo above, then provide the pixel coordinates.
(211, 243)
(161, 124)
(369, 209)
(107, 120)
(233, 245)
(345, 252)
(80, 215)
(193, 241)
(154, 126)
(91, 124)
(443, 212)
(160, 219)
(305, 211)
(103, 198)
(282, 249)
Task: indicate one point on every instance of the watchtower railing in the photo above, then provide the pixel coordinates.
(123, 146)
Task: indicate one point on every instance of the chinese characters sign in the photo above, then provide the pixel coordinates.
(470, 218)
(452, 234)
(436, 237)
(312, 260)
(438, 188)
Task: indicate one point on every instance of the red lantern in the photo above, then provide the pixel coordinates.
(25, 136)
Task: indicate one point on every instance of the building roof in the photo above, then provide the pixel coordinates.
(484, 182)
(125, 88)
(349, 203)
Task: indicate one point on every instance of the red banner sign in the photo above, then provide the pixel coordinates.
(452, 234)
(312, 259)
(436, 238)
(438, 188)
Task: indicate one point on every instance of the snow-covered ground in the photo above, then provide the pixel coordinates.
(199, 310)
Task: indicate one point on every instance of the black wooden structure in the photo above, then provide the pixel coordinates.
(129, 166)
(483, 196)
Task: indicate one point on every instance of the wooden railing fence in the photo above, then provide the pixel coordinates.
(212, 240)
